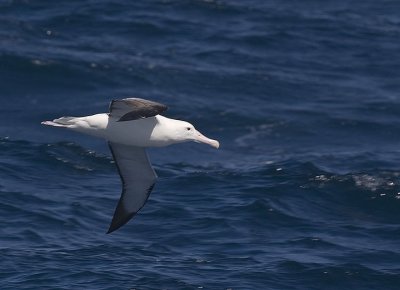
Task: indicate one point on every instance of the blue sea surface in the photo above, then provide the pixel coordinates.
(304, 97)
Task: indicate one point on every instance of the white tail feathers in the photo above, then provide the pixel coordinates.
(61, 122)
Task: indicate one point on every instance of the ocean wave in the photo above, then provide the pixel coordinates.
(302, 194)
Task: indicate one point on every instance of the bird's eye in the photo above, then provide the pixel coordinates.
(188, 128)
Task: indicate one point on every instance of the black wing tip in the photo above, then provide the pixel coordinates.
(113, 228)
(121, 217)
(119, 220)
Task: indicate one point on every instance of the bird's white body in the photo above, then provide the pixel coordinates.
(155, 131)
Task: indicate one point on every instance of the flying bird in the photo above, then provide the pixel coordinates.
(132, 125)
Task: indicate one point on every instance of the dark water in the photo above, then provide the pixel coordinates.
(304, 192)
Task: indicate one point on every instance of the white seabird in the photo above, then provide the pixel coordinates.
(130, 127)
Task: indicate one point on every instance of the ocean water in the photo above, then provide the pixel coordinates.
(304, 97)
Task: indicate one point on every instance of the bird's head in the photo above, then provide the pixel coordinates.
(186, 132)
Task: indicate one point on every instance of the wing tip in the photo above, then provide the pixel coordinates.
(120, 218)
(116, 223)
(112, 229)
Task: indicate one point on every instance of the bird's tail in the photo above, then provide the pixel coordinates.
(66, 122)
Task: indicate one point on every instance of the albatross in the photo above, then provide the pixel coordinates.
(132, 125)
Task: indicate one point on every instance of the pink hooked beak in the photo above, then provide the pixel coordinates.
(200, 138)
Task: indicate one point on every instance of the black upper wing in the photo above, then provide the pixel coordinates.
(135, 108)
